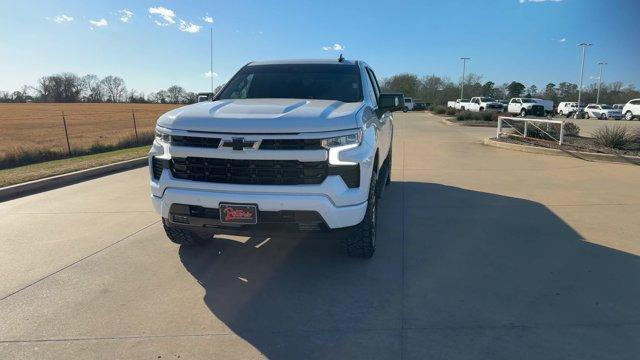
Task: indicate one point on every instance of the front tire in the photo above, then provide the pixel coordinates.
(603, 117)
(405, 109)
(182, 236)
(361, 243)
(586, 115)
(523, 113)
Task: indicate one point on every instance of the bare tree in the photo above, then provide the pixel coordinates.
(175, 94)
(114, 88)
(92, 89)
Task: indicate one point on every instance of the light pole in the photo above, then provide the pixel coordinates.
(584, 49)
(602, 65)
(464, 68)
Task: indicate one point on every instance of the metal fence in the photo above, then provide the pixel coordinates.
(504, 120)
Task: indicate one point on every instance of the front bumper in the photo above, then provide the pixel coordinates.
(337, 204)
(333, 216)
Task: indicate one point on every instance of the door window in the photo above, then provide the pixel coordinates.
(374, 84)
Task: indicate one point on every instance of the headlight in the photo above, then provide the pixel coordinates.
(162, 137)
(344, 140)
(337, 144)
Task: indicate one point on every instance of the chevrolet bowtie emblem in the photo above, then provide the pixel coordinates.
(238, 143)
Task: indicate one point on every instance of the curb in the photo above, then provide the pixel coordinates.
(588, 156)
(53, 182)
(451, 123)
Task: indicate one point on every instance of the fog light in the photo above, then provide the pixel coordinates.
(183, 219)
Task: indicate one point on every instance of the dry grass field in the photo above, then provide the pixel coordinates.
(40, 126)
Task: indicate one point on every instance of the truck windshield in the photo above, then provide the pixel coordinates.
(296, 81)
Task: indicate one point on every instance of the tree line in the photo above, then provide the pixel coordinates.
(69, 87)
(438, 90)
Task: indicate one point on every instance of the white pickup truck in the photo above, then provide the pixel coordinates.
(408, 104)
(480, 103)
(459, 104)
(298, 145)
(525, 106)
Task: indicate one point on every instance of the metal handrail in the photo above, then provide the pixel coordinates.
(526, 121)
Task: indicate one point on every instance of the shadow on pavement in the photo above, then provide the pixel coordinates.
(458, 274)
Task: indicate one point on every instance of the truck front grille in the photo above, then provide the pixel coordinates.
(291, 144)
(537, 110)
(195, 141)
(260, 172)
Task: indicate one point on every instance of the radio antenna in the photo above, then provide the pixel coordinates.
(211, 59)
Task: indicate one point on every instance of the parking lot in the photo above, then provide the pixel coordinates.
(482, 253)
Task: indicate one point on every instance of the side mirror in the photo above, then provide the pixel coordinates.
(390, 102)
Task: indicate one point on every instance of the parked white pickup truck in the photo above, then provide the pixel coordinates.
(525, 106)
(408, 104)
(479, 103)
(461, 104)
(292, 145)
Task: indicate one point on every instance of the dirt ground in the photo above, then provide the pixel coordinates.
(40, 125)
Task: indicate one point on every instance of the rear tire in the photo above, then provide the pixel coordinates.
(405, 109)
(361, 243)
(628, 116)
(586, 115)
(182, 236)
(523, 113)
(603, 117)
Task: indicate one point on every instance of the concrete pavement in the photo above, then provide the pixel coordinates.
(483, 253)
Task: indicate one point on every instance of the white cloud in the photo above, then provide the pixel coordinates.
(334, 47)
(210, 74)
(165, 16)
(538, 1)
(208, 19)
(125, 15)
(562, 40)
(99, 23)
(189, 27)
(62, 18)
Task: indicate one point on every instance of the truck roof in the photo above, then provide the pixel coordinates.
(304, 61)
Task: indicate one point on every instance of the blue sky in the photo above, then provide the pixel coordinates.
(167, 42)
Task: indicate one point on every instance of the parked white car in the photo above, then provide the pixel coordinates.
(632, 109)
(408, 104)
(525, 106)
(480, 103)
(568, 109)
(602, 112)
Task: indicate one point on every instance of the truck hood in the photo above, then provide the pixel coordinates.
(263, 116)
